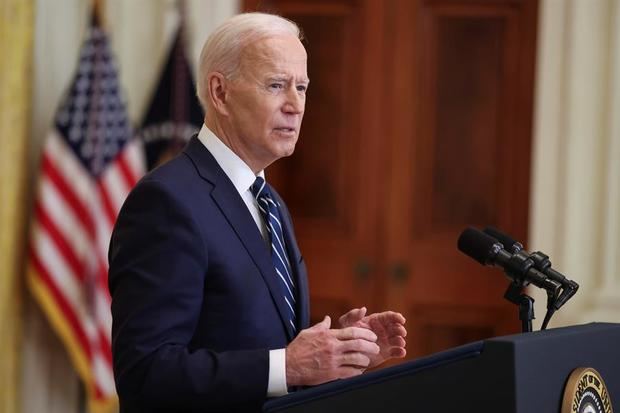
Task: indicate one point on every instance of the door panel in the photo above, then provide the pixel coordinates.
(460, 158)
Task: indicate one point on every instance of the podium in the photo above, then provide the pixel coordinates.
(523, 373)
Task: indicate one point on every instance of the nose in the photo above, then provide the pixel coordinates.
(295, 101)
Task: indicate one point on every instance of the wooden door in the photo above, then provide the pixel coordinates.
(461, 115)
(418, 124)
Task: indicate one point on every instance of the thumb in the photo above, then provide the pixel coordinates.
(323, 325)
(352, 317)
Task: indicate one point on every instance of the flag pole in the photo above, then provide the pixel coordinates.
(99, 13)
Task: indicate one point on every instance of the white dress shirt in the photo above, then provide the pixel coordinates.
(242, 178)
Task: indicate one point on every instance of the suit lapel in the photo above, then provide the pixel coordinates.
(234, 209)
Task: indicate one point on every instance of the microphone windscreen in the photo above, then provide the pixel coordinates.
(506, 240)
(477, 245)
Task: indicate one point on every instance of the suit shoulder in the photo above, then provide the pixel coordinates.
(176, 176)
(170, 171)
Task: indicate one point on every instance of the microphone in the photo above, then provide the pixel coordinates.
(518, 267)
(541, 263)
(507, 241)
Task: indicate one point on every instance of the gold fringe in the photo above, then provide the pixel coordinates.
(60, 325)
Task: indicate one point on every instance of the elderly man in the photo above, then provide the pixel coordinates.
(209, 290)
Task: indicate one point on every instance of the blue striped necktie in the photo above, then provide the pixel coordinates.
(273, 220)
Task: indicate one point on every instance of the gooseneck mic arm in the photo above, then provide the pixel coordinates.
(569, 287)
(541, 263)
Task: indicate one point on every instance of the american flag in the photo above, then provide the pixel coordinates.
(89, 164)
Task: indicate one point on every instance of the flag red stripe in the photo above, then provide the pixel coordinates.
(99, 394)
(64, 306)
(130, 180)
(60, 241)
(103, 278)
(108, 208)
(105, 347)
(66, 191)
(102, 287)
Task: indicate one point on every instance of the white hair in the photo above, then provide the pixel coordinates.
(222, 50)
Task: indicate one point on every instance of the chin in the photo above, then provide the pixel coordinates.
(286, 148)
(290, 149)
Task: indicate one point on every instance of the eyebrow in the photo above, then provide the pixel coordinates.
(283, 78)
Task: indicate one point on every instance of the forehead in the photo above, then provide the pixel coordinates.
(278, 54)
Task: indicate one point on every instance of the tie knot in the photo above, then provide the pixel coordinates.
(258, 187)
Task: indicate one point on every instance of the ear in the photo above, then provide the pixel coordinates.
(218, 92)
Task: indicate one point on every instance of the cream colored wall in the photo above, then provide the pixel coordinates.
(140, 32)
(575, 208)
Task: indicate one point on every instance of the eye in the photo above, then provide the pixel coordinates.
(302, 88)
(276, 86)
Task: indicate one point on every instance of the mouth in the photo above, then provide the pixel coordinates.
(285, 129)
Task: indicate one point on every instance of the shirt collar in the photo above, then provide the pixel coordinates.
(234, 167)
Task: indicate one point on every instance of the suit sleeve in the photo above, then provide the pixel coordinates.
(158, 269)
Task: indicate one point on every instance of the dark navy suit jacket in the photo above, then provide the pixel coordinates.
(195, 300)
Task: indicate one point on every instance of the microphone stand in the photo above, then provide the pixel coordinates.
(515, 295)
(557, 300)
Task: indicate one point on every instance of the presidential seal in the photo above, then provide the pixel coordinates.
(585, 392)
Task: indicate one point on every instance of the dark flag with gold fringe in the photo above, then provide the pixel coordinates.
(174, 114)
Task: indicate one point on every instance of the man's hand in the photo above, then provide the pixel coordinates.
(389, 328)
(318, 354)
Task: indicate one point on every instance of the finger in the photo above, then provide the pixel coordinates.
(398, 352)
(388, 317)
(362, 346)
(352, 333)
(397, 341)
(396, 330)
(354, 359)
(352, 317)
(395, 317)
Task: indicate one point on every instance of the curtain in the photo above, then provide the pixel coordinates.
(16, 28)
(576, 162)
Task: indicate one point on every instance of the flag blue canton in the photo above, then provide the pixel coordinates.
(92, 118)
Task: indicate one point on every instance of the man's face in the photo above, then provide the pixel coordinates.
(266, 101)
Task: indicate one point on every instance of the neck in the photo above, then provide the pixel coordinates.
(221, 131)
